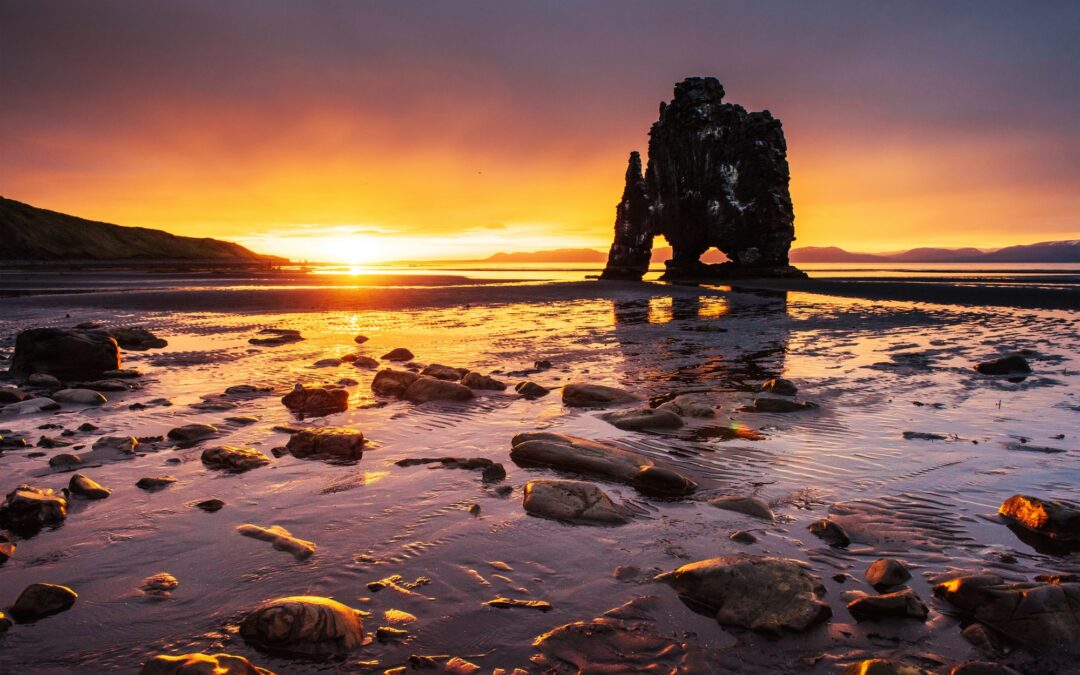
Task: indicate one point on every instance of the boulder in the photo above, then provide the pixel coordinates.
(899, 605)
(85, 487)
(1051, 519)
(82, 396)
(234, 459)
(65, 354)
(531, 390)
(193, 433)
(399, 354)
(1014, 364)
(643, 419)
(584, 395)
(751, 506)
(390, 382)
(760, 593)
(136, 339)
(316, 400)
(886, 573)
(27, 509)
(201, 664)
(478, 381)
(571, 501)
(1033, 613)
(429, 389)
(780, 386)
(304, 626)
(691, 405)
(441, 372)
(597, 460)
(333, 442)
(38, 601)
(779, 405)
(280, 538)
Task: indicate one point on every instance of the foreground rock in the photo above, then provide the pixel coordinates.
(1054, 520)
(571, 501)
(886, 573)
(280, 538)
(780, 386)
(304, 625)
(643, 419)
(65, 354)
(1014, 364)
(426, 389)
(193, 433)
(599, 460)
(900, 605)
(760, 593)
(623, 640)
(390, 382)
(233, 458)
(316, 400)
(595, 395)
(1035, 613)
(691, 405)
(27, 509)
(482, 382)
(85, 487)
(334, 442)
(832, 533)
(38, 601)
(751, 506)
(201, 664)
(136, 339)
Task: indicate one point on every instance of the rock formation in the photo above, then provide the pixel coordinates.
(717, 176)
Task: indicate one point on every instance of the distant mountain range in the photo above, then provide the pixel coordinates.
(1044, 252)
(30, 234)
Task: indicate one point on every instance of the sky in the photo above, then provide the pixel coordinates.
(363, 131)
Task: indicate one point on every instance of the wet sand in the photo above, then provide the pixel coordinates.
(875, 368)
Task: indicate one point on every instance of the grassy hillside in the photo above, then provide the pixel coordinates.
(29, 233)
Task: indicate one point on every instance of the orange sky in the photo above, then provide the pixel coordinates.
(335, 134)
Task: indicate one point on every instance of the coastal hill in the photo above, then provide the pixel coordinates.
(28, 233)
(1044, 252)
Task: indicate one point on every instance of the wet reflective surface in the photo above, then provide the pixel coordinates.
(875, 369)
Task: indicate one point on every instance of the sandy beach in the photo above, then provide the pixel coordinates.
(908, 448)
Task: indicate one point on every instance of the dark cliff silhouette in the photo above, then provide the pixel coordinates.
(717, 177)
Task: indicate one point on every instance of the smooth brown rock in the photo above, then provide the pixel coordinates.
(1007, 365)
(507, 603)
(389, 382)
(579, 394)
(571, 501)
(80, 396)
(426, 389)
(27, 509)
(124, 445)
(751, 506)
(85, 487)
(193, 433)
(233, 458)
(780, 386)
(399, 354)
(441, 372)
(830, 532)
(760, 593)
(779, 405)
(334, 442)
(899, 605)
(641, 419)
(38, 601)
(691, 405)
(280, 538)
(482, 382)
(64, 354)
(136, 339)
(64, 461)
(154, 483)
(305, 626)
(365, 362)
(201, 664)
(886, 573)
(316, 400)
(531, 390)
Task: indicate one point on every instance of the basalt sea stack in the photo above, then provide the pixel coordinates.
(717, 176)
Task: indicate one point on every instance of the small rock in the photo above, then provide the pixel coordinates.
(742, 537)
(571, 501)
(751, 506)
(155, 483)
(7, 549)
(399, 354)
(531, 390)
(193, 433)
(27, 509)
(327, 363)
(360, 339)
(64, 461)
(1006, 365)
(280, 336)
(85, 487)
(233, 458)
(81, 396)
(280, 538)
(426, 389)
(5, 623)
(691, 405)
(780, 386)
(210, 505)
(42, 380)
(506, 603)
(316, 400)
(386, 634)
(242, 419)
(482, 382)
(304, 625)
(441, 372)
(160, 585)
(886, 573)
(595, 395)
(779, 405)
(38, 601)
(336, 442)
(640, 419)
(898, 605)
(136, 339)
(31, 405)
(830, 532)
(389, 382)
(124, 445)
(365, 362)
